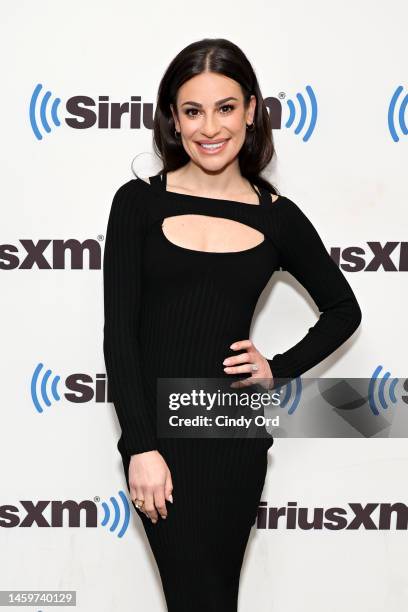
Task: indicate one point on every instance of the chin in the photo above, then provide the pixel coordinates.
(214, 162)
(215, 166)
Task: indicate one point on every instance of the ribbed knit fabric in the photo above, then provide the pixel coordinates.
(171, 312)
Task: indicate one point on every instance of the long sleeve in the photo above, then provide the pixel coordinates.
(303, 254)
(122, 296)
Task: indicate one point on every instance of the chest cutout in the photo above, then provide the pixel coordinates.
(209, 234)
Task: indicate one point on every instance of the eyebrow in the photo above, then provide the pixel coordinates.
(198, 105)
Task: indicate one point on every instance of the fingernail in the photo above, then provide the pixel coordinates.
(171, 498)
(163, 516)
(232, 345)
(225, 362)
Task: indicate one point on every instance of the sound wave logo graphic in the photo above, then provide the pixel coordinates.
(118, 516)
(41, 380)
(40, 106)
(379, 386)
(304, 117)
(292, 393)
(396, 114)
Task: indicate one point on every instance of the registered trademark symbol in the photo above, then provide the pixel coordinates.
(281, 95)
(101, 237)
(97, 499)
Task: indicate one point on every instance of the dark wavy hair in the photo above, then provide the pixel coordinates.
(222, 57)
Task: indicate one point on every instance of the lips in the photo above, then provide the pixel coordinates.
(212, 146)
(212, 141)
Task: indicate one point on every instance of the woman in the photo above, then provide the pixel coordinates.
(187, 254)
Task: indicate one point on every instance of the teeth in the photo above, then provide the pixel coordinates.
(213, 146)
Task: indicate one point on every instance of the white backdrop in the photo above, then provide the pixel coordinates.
(349, 177)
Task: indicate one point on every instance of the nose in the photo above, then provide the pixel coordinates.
(210, 126)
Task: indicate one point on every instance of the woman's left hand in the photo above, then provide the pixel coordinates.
(244, 362)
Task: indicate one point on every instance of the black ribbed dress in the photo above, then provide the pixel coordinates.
(170, 312)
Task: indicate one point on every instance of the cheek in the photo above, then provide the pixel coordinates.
(189, 128)
(236, 125)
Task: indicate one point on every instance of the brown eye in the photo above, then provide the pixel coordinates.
(228, 106)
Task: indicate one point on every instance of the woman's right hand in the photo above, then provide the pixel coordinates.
(150, 480)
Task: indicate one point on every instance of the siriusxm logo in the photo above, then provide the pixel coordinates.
(380, 387)
(82, 388)
(115, 514)
(306, 119)
(33, 255)
(45, 112)
(396, 114)
(334, 519)
(290, 395)
(378, 257)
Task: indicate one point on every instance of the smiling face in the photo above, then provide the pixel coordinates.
(210, 110)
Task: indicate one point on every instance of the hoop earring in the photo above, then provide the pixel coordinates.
(250, 127)
(176, 134)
